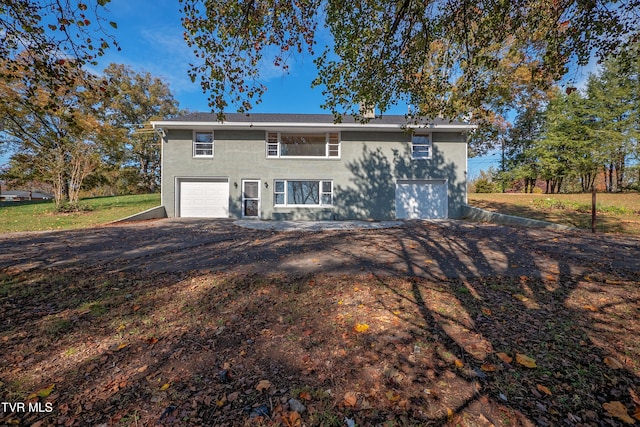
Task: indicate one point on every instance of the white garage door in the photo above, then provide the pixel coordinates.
(421, 199)
(204, 199)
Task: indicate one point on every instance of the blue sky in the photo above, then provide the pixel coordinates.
(150, 36)
(151, 40)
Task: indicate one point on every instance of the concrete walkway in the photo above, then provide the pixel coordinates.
(315, 225)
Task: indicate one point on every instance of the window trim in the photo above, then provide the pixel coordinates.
(194, 142)
(272, 145)
(414, 144)
(321, 193)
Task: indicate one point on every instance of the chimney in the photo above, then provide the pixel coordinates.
(366, 111)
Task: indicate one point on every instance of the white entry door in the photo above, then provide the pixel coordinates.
(250, 198)
(422, 199)
(204, 198)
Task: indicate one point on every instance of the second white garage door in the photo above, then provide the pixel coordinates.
(422, 199)
(204, 199)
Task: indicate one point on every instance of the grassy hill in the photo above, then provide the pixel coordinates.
(617, 213)
(36, 216)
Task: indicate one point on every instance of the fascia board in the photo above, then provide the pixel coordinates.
(324, 127)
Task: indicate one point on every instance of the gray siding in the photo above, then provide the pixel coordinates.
(363, 178)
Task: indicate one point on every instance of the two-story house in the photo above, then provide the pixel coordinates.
(306, 167)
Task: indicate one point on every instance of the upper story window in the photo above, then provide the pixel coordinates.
(203, 144)
(281, 144)
(421, 147)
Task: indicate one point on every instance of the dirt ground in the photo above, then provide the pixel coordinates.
(457, 250)
(200, 322)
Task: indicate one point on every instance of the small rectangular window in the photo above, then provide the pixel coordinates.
(421, 147)
(203, 144)
(272, 144)
(327, 192)
(333, 147)
(278, 192)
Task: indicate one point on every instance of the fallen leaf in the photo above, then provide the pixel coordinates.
(136, 307)
(486, 311)
(505, 357)
(121, 346)
(618, 410)
(165, 386)
(43, 392)
(526, 361)
(293, 419)
(488, 367)
(141, 369)
(350, 399)
(544, 390)
(459, 363)
(449, 414)
(590, 308)
(392, 396)
(636, 414)
(152, 340)
(263, 385)
(361, 327)
(305, 395)
(613, 363)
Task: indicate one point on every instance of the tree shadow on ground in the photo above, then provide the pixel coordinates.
(440, 302)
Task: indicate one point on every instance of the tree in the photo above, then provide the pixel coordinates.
(565, 148)
(446, 58)
(132, 101)
(615, 113)
(55, 37)
(520, 156)
(55, 144)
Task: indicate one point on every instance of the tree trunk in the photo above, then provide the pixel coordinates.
(620, 169)
(532, 184)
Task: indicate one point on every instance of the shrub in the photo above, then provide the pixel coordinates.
(73, 207)
(483, 185)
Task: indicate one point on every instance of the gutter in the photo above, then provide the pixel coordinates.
(306, 126)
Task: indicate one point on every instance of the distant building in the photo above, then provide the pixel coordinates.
(20, 195)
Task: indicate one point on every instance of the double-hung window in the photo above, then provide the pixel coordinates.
(302, 192)
(421, 147)
(203, 144)
(290, 144)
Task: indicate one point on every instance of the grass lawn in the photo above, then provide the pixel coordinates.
(36, 216)
(617, 213)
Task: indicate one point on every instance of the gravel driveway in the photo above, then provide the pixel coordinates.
(416, 248)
